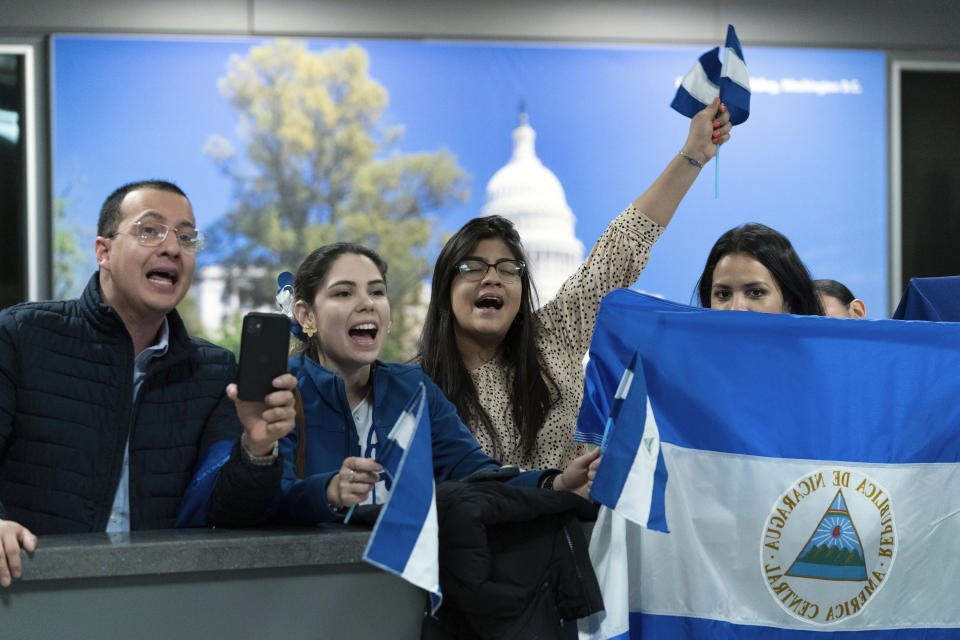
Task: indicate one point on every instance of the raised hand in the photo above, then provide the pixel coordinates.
(708, 128)
(266, 422)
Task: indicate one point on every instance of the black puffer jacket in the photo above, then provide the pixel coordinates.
(66, 408)
(513, 562)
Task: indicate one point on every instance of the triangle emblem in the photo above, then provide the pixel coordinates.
(834, 550)
(648, 444)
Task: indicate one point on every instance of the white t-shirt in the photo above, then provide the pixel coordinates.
(367, 436)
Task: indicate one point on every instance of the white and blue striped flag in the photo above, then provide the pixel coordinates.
(811, 474)
(709, 79)
(636, 476)
(405, 538)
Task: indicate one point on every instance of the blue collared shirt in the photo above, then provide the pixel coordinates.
(120, 512)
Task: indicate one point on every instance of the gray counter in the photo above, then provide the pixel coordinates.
(289, 583)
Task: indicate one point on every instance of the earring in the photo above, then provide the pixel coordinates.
(309, 328)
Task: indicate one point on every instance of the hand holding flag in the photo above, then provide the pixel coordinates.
(709, 129)
(710, 80)
(354, 481)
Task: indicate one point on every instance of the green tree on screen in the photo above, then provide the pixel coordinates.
(318, 166)
(71, 265)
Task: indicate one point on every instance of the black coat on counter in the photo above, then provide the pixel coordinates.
(513, 562)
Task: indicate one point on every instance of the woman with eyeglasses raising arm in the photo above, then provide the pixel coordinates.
(515, 373)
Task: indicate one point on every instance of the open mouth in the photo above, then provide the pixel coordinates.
(365, 331)
(166, 278)
(489, 302)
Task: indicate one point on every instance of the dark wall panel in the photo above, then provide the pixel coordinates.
(931, 173)
(12, 181)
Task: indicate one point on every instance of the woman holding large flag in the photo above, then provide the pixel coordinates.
(516, 374)
(341, 315)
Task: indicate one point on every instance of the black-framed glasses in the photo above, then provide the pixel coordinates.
(473, 270)
(152, 234)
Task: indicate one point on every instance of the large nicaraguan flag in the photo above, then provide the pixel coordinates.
(709, 79)
(812, 482)
(405, 538)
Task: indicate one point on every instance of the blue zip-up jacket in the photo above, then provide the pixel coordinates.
(332, 434)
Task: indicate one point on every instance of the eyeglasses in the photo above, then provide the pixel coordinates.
(474, 270)
(152, 234)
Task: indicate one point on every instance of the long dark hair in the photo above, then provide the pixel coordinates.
(313, 271)
(530, 396)
(771, 249)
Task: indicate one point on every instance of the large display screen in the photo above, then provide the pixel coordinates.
(285, 144)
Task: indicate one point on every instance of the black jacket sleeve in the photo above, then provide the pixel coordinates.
(245, 491)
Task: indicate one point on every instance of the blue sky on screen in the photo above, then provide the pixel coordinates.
(810, 161)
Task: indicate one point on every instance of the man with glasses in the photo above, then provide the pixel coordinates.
(107, 405)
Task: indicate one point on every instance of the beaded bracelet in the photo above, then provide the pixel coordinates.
(691, 160)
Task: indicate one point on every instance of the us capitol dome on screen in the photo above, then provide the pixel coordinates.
(530, 195)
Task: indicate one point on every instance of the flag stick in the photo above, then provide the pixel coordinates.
(716, 175)
(606, 435)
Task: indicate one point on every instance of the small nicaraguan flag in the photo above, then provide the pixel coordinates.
(709, 79)
(405, 538)
(635, 475)
(814, 467)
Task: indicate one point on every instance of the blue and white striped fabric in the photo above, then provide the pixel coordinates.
(814, 475)
(709, 79)
(405, 539)
(636, 475)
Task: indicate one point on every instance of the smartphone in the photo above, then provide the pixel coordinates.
(264, 347)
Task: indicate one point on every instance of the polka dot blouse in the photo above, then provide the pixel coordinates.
(566, 325)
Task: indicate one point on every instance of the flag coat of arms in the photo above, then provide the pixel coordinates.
(405, 538)
(807, 469)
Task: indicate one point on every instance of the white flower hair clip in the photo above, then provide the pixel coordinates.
(285, 302)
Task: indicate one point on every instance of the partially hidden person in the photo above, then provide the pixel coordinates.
(755, 268)
(838, 301)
